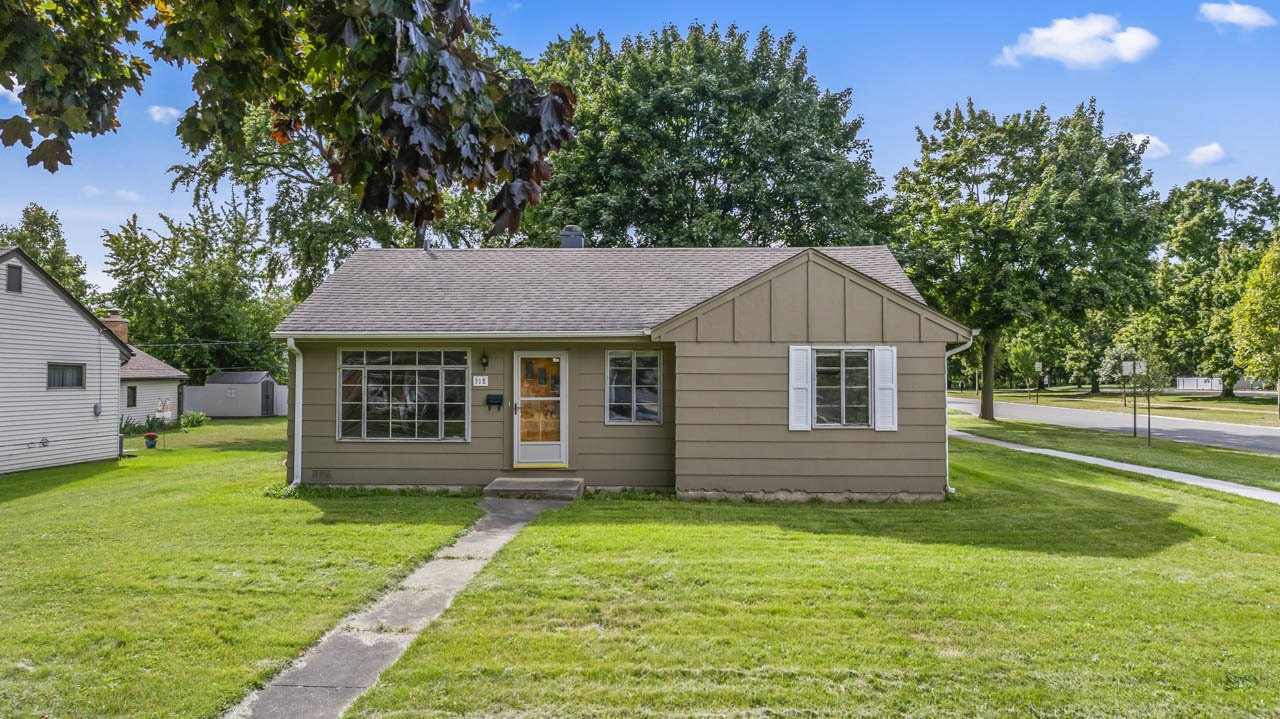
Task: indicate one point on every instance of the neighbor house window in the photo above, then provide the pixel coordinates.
(131, 396)
(402, 394)
(633, 393)
(13, 278)
(66, 376)
(842, 388)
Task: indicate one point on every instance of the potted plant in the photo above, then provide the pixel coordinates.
(151, 438)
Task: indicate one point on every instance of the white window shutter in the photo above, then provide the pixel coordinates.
(798, 390)
(886, 383)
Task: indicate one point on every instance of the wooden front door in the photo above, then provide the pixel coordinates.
(541, 422)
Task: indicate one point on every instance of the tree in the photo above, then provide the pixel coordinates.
(1256, 321)
(1090, 340)
(40, 235)
(1022, 362)
(1000, 220)
(703, 138)
(394, 88)
(197, 293)
(1217, 231)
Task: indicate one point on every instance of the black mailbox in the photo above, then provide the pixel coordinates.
(493, 400)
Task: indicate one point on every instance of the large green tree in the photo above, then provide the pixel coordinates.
(39, 234)
(1256, 321)
(394, 88)
(1217, 231)
(198, 293)
(708, 138)
(1003, 221)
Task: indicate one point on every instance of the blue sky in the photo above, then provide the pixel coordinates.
(1202, 78)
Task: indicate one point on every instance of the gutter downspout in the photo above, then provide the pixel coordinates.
(297, 412)
(946, 380)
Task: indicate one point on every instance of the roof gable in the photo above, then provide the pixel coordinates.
(144, 366)
(811, 298)
(592, 291)
(9, 254)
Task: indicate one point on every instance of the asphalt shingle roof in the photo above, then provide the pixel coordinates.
(545, 290)
(143, 366)
(236, 377)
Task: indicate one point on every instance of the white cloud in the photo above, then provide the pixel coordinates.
(163, 113)
(1081, 42)
(1156, 148)
(516, 5)
(91, 190)
(1210, 154)
(1248, 17)
(127, 195)
(12, 95)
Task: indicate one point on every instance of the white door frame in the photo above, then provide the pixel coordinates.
(516, 373)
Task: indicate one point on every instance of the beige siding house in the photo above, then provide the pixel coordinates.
(147, 385)
(59, 373)
(775, 372)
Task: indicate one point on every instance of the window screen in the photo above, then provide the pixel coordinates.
(66, 376)
(13, 278)
(403, 394)
(131, 396)
(842, 388)
(634, 391)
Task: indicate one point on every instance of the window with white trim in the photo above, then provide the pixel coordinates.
(395, 394)
(841, 388)
(633, 391)
(66, 376)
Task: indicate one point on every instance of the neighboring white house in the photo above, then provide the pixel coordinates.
(59, 373)
(239, 394)
(146, 383)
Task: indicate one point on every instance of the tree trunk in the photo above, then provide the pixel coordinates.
(1229, 384)
(1094, 386)
(988, 408)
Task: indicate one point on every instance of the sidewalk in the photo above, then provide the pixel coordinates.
(1243, 490)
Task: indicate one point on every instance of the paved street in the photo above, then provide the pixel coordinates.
(1216, 434)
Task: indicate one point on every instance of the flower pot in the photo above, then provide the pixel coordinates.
(151, 444)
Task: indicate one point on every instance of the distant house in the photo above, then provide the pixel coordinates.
(240, 394)
(146, 383)
(59, 373)
(790, 373)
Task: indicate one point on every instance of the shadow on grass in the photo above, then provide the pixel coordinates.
(36, 481)
(1016, 503)
(373, 505)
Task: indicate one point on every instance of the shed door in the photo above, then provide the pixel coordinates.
(268, 400)
(541, 424)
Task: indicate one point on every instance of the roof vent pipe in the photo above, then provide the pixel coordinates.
(571, 237)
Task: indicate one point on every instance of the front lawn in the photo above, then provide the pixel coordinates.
(168, 584)
(1253, 468)
(1236, 410)
(1044, 588)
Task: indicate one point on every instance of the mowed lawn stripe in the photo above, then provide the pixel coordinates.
(169, 584)
(1045, 588)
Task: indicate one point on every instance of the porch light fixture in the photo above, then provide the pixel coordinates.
(484, 360)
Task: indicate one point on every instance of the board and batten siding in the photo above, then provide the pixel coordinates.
(42, 427)
(732, 388)
(150, 393)
(605, 455)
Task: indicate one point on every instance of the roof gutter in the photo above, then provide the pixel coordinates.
(296, 389)
(946, 387)
(500, 334)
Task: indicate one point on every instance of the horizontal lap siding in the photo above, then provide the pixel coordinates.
(150, 392)
(604, 455)
(42, 427)
(732, 401)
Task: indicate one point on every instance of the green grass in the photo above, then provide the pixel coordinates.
(1259, 411)
(1252, 468)
(168, 584)
(1043, 588)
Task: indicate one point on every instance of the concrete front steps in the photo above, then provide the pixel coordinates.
(553, 488)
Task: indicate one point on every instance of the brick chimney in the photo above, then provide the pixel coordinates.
(118, 325)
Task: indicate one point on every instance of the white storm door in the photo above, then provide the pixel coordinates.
(541, 422)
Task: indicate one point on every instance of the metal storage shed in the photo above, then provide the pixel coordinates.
(240, 394)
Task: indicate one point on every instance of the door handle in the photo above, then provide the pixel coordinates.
(515, 408)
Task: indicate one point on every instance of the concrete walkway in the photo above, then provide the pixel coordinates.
(1243, 490)
(1251, 438)
(349, 659)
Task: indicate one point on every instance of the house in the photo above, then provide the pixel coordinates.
(776, 372)
(240, 394)
(59, 373)
(146, 383)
